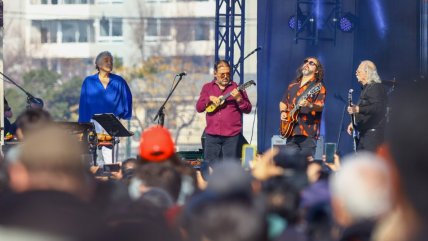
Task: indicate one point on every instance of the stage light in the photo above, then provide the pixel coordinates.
(295, 23)
(347, 23)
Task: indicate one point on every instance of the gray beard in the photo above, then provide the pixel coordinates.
(306, 72)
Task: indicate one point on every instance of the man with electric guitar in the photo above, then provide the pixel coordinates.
(224, 103)
(369, 113)
(301, 108)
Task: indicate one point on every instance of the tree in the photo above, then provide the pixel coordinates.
(154, 80)
(61, 97)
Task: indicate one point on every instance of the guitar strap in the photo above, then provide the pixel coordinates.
(310, 87)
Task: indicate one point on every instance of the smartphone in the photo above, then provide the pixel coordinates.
(248, 154)
(111, 167)
(329, 151)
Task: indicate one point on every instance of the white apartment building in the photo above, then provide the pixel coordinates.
(55, 30)
(66, 35)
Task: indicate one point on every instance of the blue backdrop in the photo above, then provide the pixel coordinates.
(387, 34)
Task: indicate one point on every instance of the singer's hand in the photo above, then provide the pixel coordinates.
(215, 100)
(236, 95)
(353, 109)
(305, 103)
(350, 129)
(283, 115)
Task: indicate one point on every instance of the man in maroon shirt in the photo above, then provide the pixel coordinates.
(224, 124)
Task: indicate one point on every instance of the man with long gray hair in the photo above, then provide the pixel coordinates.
(370, 110)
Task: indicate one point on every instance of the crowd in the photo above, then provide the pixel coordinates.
(49, 192)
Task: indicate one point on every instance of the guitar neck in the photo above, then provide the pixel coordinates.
(241, 87)
(350, 105)
(224, 97)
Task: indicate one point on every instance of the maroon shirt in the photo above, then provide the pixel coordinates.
(227, 119)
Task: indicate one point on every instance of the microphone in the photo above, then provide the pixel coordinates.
(257, 49)
(181, 74)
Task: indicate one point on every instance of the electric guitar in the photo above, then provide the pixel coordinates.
(213, 107)
(355, 135)
(287, 125)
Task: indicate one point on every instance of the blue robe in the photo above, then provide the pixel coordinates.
(94, 99)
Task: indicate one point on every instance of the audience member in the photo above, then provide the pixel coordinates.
(406, 148)
(361, 194)
(32, 120)
(50, 185)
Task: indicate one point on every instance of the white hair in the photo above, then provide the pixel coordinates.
(363, 186)
(371, 71)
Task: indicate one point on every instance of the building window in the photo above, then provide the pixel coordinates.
(202, 31)
(188, 30)
(45, 31)
(184, 31)
(155, 1)
(158, 29)
(109, 1)
(76, 1)
(55, 2)
(75, 31)
(71, 31)
(111, 28)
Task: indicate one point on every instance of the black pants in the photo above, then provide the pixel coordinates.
(304, 145)
(217, 148)
(370, 140)
(220, 147)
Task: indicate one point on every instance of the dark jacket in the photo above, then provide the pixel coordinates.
(372, 106)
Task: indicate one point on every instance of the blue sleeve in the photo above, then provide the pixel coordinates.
(128, 102)
(84, 112)
(124, 110)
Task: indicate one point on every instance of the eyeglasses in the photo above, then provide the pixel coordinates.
(311, 63)
(222, 75)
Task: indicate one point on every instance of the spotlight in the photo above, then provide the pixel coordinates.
(347, 23)
(295, 23)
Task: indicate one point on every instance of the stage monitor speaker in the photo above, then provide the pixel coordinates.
(278, 141)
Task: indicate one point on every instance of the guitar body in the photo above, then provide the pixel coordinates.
(287, 125)
(213, 107)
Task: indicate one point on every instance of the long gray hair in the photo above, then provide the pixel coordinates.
(371, 71)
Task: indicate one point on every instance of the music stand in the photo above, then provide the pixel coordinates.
(113, 127)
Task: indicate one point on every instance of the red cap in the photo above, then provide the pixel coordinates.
(156, 144)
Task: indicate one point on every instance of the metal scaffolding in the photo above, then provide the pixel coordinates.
(316, 20)
(229, 34)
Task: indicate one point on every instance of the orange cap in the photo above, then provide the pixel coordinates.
(156, 144)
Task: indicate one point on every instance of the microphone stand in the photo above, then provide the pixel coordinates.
(161, 114)
(30, 97)
(235, 67)
(242, 59)
(339, 136)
